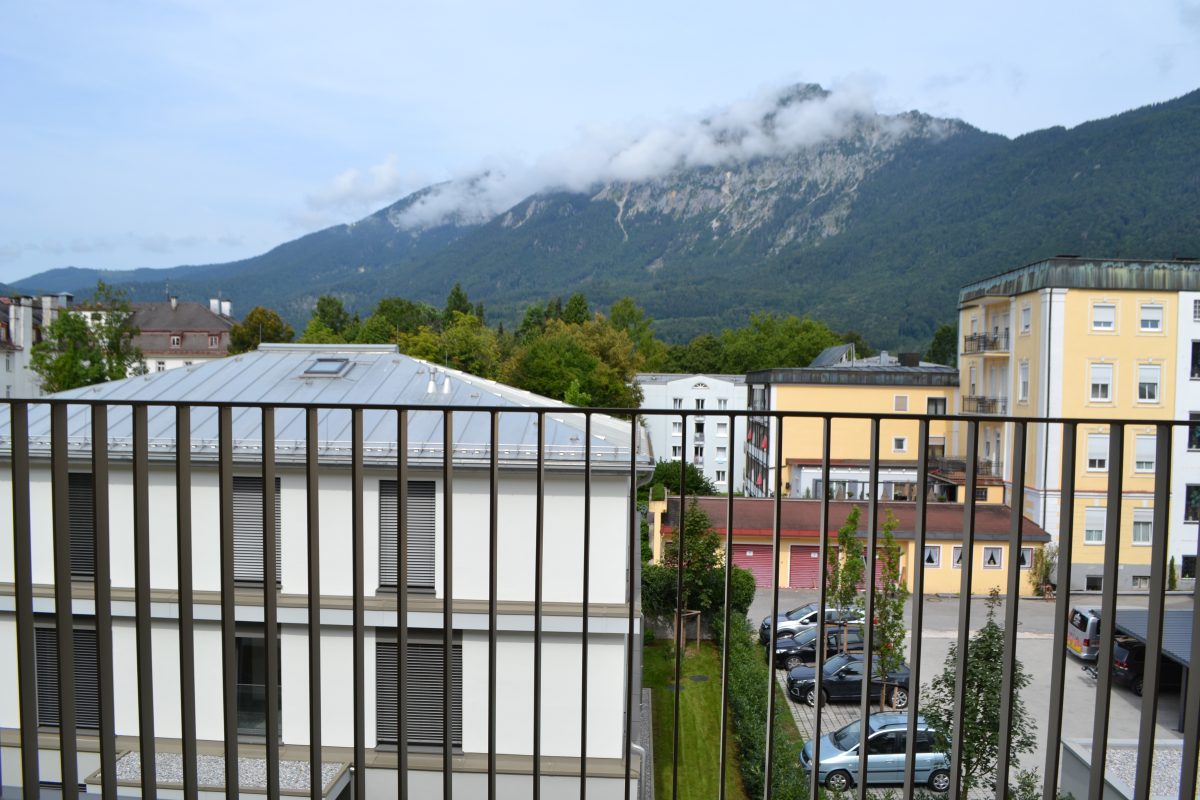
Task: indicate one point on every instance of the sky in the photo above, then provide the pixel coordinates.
(168, 132)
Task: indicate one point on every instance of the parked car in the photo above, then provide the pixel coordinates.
(1129, 665)
(804, 617)
(887, 742)
(842, 677)
(1083, 633)
(792, 651)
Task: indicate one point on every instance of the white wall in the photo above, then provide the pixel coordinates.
(689, 388)
(1185, 468)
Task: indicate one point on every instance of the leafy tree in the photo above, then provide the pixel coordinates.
(1041, 571)
(943, 349)
(375, 329)
(890, 598)
(576, 396)
(469, 345)
(258, 326)
(601, 358)
(701, 554)
(861, 348)
(626, 315)
(981, 704)
(533, 323)
(456, 301)
(576, 311)
(666, 474)
(332, 314)
(423, 343)
(843, 578)
(772, 340)
(704, 354)
(92, 345)
(405, 315)
(317, 332)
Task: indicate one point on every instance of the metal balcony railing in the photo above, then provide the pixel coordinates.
(985, 343)
(985, 405)
(156, 495)
(984, 468)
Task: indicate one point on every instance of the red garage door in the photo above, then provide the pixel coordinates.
(758, 558)
(805, 569)
(878, 570)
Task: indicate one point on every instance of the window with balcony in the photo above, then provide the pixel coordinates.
(900, 402)
(933, 556)
(248, 530)
(421, 517)
(1023, 382)
(1144, 454)
(1104, 317)
(1148, 378)
(1143, 525)
(82, 524)
(1101, 382)
(971, 381)
(1097, 452)
(698, 453)
(85, 657)
(1026, 318)
(425, 664)
(935, 405)
(1150, 319)
(1093, 525)
(993, 558)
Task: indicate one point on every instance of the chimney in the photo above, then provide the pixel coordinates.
(226, 308)
(64, 299)
(174, 302)
(214, 305)
(910, 359)
(884, 358)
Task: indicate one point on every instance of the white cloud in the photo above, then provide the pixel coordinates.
(356, 189)
(769, 123)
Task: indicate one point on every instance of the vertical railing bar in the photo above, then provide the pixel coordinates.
(270, 600)
(1108, 607)
(228, 608)
(1008, 687)
(493, 593)
(724, 743)
(538, 566)
(63, 615)
(864, 709)
(359, 603)
(633, 558)
(679, 635)
(187, 626)
(1154, 621)
(964, 607)
(312, 486)
(918, 605)
(23, 578)
(402, 604)
(822, 602)
(103, 588)
(1062, 605)
(777, 543)
(1191, 721)
(447, 604)
(587, 574)
(141, 557)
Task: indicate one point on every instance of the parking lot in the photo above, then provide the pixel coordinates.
(1034, 651)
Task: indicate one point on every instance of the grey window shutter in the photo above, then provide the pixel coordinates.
(422, 514)
(82, 524)
(87, 678)
(423, 691)
(248, 530)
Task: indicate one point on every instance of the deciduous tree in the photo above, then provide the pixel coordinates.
(943, 348)
(843, 578)
(890, 597)
(258, 326)
(90, 345)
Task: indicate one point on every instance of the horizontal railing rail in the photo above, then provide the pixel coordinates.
(985, 343)
(545, 540)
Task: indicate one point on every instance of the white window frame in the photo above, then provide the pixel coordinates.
(1196, 310)
(899, 444)
(1140, 446)
(936, 551)
(677, 427)
(176, 341)
(1143, 519)
(699, 403)
(1026, 558)
(1149, 391)
(1093, 531)
(996, 554)
(1026, 318)
(722, 452)
(422, 516)
(160, 366)
(722, 403)
(722, 429)
(676, 451)
(971, 381)
(248, 530)
(676, 402)
(956, 556)
(1100, 324)
(1157, 327)
(1097, 452)
(1023, 382)
(720, 476)
(214, 340)
(900, 402)
(1107, 384)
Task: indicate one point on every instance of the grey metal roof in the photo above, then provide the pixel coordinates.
(1070, 272)
(643, 378)
(374, 375)
(860, 372)
(831, 355)
(1177, 630)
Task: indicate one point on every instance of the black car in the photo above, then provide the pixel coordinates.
(1129, 664)
(792, 651)
(842, 677)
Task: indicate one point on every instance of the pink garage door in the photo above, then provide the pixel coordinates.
(758, 558)
(878, 570)
(805, 569)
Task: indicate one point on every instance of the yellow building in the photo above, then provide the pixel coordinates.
(1088, 339)
(837, 382)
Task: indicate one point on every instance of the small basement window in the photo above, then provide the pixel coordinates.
(328, 367)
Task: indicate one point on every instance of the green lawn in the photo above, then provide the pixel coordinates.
(700, 723)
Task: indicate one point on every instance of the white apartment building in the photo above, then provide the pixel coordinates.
(337, 378)
(22, 320)
(1185, 471)
(707, 441)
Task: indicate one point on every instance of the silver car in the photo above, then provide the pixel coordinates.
(887, 740)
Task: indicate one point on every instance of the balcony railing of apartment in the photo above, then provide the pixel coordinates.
(985, 405)
(45, 442)
(984, 468)
(985, 343)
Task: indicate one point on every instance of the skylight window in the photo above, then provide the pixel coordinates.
(328, 367)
